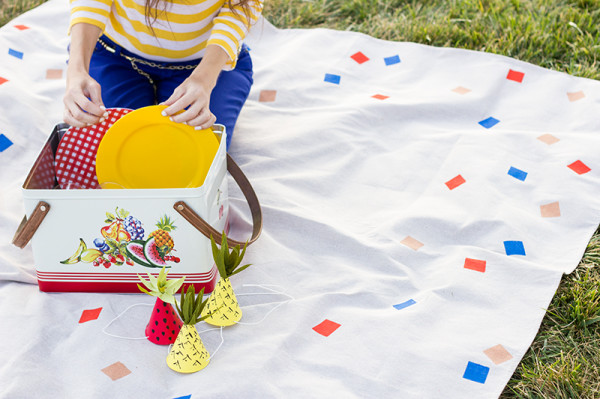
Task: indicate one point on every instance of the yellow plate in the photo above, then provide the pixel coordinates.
(144, 149)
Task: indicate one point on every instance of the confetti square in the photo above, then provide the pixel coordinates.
(455, 182)
(514, 248)
(461, 90)
(380, 96)
(15, 53)
(551, 210)
(4, 142)
(476, 372)
(267, 96)
(406, 304)
(578, 95)
(116, 370)
(331, 78)
(359, 57)
(54, 74)
(89, 314)
(412, 243)
(327, 327)
(21, 27)
(184, 397)
(548, 139)
(517, 173)
(498, 354)
(475, 264)
(394, 59)
(3, 80)
(579, 167)
(489, 122)
(515, 75)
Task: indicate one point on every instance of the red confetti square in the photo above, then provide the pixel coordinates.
(327, 327)
(2, 80)
(579, 167)
(455, 182)
(89, 314)
(359, 57)
(21, 27)
(515, 75)
(475, 264)
(380, 96)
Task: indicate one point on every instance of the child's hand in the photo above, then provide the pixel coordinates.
(192, 96)
(83, 102)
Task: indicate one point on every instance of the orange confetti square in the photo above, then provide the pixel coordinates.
(515, 75)
(380, 96)
(267, 96)
(54, 74)
(359, 57)
(548, 139)
(21, 27)
(89, 314)
(579, 167)
(498, 354)
(551, 210)
(455, 182)
(578, 95)
(116, 370)
(475, 264)
(461, 90)
(2, 80)
(412, 243)
(326, 327)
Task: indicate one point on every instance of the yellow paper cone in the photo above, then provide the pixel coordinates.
(188, 353)
(223, 305)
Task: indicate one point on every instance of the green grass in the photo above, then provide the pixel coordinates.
(564, 359)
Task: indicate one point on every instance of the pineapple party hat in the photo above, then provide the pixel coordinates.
(164, 324)
(222, 303)
(188, 353)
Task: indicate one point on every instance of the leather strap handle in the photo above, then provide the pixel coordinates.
(28, 227)
(202, 226)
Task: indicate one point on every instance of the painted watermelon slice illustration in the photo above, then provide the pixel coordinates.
(153, 255)
(135, 251)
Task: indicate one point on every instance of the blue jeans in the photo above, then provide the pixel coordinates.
(123, 86)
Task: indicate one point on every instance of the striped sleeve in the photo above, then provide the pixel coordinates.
(231, 25)
(94, 12)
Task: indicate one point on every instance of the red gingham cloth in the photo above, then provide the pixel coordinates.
(75, 161)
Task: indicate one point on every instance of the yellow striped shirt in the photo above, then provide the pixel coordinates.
(181, 33)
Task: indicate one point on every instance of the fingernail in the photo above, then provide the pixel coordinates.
(105, 115)
(185, 123)
(171, 119)
(103, 107)
(198, 127)
(163, 113)
(102, 120)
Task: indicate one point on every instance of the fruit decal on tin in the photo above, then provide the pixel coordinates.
(123, 242)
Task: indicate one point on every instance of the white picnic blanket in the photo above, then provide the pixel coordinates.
(420, 207)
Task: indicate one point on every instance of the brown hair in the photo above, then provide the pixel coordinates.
(151, 10)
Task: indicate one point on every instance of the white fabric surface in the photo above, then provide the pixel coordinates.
(343, 179)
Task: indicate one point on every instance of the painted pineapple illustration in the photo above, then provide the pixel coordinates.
(222, 304)
(162, 238)
(188, 353)
(164, 324)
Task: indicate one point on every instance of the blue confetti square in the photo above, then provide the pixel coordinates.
(476, 372)
(331, 78)
(489, 122)
(514, 248)
(517, 173)
(15, 53)
(405, 304)
(4, 142)
(392, 60)
(184, 397)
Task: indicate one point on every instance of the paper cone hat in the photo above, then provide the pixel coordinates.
(188, 354)
(164, 325)
(223, 305)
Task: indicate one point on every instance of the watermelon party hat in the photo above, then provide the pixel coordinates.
(164, 324)
(222, 304)
(188, 353)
